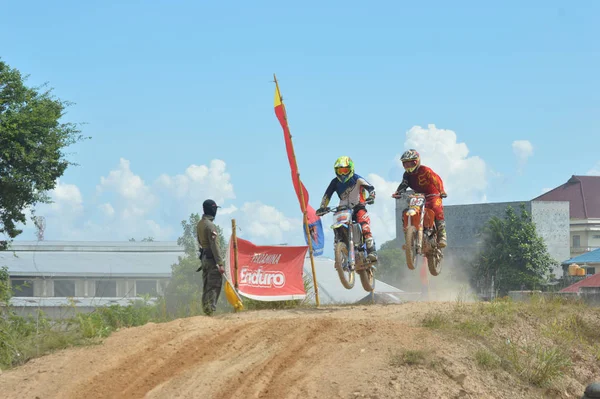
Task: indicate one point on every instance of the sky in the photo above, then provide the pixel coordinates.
(502, 101)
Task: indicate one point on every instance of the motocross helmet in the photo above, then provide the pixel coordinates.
(344, 169)
(411, 160)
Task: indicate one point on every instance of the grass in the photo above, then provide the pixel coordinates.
(24, 338)
(533, 340)
(595, 350)
(487, 360)
(474, 328)
(435, 320)
(408, 357)
(536, 364)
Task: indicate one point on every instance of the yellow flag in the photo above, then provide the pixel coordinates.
(232, 297)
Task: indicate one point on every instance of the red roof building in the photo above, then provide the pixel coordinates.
(592, 281)
(583, 194)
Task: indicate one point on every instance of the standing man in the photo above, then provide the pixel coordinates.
(210, 256)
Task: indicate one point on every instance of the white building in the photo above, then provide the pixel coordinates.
(53, 275)
(57, 276)
(583, 195)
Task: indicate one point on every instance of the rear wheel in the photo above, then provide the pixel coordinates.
(341, 262)
(367, 279)
(434, 262)
(410, 247)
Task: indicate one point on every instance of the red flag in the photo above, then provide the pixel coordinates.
(282, 117)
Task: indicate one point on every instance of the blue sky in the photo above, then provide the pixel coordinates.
(168, 84)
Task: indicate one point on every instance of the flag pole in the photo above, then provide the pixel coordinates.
(235, 255)
(305, 217)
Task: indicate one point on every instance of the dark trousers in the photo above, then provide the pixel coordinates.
(212, 281)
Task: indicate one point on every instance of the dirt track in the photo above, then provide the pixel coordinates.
(341, 352)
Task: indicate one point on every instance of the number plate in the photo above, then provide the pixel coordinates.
(416, 201)
(343, 216)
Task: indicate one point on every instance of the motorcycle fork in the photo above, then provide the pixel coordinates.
(420, 231)
(351, 259)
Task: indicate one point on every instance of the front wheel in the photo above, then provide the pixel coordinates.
(341, 261)
(410, 247)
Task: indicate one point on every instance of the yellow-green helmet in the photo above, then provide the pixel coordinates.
(344, 168)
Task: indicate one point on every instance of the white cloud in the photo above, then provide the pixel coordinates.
(107, 209)
(465, 177)
(523, 149)
(545, 190)
(67, 206)
(264, 224)
(199, 182)
(595, 171)
(135, 196)
(125, 206)
(66, 198)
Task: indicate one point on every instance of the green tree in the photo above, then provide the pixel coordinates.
(513, 254)
(183, 295)
(5, 288)
(32, 144)
(147, 239)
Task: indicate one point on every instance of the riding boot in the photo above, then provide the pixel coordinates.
(441, 231)
(371, 253)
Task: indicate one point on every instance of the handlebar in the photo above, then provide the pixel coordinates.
(400, 195)
(340, 208)
(334, 209)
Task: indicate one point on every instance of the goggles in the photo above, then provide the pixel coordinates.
(409, 164)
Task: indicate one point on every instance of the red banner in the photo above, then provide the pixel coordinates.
(268, 273)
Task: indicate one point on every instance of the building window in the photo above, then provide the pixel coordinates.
(22, 287)
(106, 288)
(590, 270)
(64, 288)
(576, 241)
(596, 237)
(146, 287)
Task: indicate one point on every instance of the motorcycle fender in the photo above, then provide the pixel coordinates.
(338, 225)
(414, 219)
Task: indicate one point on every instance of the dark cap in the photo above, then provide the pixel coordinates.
(210, 207)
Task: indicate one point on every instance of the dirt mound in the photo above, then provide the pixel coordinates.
(334, 352)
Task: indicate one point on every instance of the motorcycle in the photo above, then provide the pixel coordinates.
(350, 249)
(420, 233)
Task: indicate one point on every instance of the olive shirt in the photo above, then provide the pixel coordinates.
(208, 238)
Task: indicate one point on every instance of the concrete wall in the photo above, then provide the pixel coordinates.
(464, 224)
(552, 223)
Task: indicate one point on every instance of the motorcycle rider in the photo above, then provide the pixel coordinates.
(353, 191)
(425, 181)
